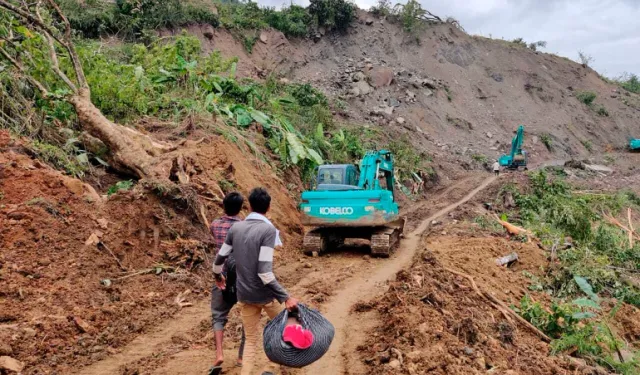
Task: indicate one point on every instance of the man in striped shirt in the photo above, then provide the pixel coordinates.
(252, 243)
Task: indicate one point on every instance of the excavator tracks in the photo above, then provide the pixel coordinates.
(312, 243)
(384, 241)
(319, 242)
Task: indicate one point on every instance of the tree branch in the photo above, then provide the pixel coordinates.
(54, 56)
(23, 73)
(66, 42)
(77, 66)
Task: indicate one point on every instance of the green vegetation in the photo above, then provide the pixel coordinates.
(336, 14)
(586, 97)
(449, 93)
(133, 19)
(480, 158)
(120, 185)
(602, 111)
(410, 15)
(546, 140)
(630, 82)
(595, 263)
(587, 144)
(585, 59)
(532, 46)
(138, 19)
(553, 212)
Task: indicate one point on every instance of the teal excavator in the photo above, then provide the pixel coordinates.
(518, 157)
(345, 202)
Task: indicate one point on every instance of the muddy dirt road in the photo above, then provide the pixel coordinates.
(179, 348)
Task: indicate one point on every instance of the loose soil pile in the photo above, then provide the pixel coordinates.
(83, 274)
(432, 322)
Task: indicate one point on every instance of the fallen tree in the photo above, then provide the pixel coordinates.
(36, 44)
(43, 24)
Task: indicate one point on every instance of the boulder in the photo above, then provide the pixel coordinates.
(369, 21)
(358, 76)
(264, 37)
(10, 365)
(393, 102)
(362, 88)
(598, 168)
(400, 120)
(380, 76)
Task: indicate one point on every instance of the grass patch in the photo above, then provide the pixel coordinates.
(480, 158)
(602, 111)
(546, 140)
(120, 186)
(586, 97)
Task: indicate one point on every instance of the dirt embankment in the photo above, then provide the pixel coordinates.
(67, 300)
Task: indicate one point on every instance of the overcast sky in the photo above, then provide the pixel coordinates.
(607, 30)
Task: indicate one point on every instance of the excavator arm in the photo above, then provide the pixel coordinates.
(371, 165)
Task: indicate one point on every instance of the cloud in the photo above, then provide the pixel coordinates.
(608, 30)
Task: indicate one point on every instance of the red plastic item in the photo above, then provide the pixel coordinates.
(297, 336)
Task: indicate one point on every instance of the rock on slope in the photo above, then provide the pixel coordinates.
(454, 95)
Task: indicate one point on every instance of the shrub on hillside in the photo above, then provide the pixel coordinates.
(336, 14)
(382, 9)
(630, 82)
(131, 18)
(291, 21)
(586, 97)
(602, 111)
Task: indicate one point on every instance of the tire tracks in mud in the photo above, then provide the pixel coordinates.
(339, 307)
(363, 284)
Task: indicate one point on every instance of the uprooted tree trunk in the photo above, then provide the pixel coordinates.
(130, 151)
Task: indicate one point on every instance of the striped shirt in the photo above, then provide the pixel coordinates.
(252, 242)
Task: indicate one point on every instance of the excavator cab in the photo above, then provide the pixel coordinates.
(337, 177)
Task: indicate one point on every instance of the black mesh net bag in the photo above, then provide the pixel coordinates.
(282, 353)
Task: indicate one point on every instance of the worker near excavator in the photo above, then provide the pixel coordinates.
(252, 244)
(496, 168)
(223, 300)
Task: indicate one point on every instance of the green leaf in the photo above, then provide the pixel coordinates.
(503, 217)
(243, 118)
(138, 71)
(297, 151)
(286, 101)
(104, 163)
(315, 156)
(83, 158)
(70, 142)
(217, 86)
(586, 302)
(583, 315)
(586, 287)
(208, 100)
(319, 131)
(259, 117)
(234, 68)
